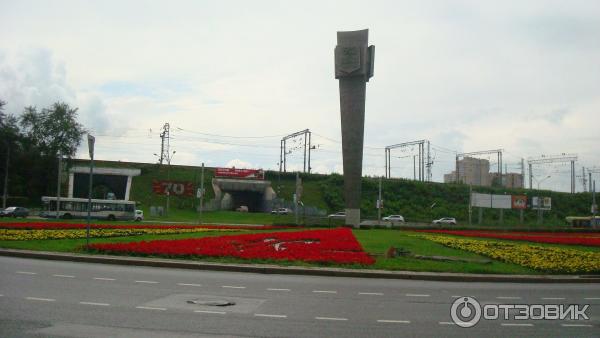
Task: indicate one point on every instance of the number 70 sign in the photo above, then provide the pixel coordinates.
(173, 188)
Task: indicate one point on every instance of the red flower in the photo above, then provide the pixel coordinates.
(323, 246)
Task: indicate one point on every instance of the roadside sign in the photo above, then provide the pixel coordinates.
(594, 208)
(91, 141)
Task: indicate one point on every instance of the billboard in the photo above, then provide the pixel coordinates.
(173, 188)
(481, 200)
(252, 174)
(491, 201)
(519, 202)
(544, 203)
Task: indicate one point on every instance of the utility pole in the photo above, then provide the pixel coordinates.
(470, 203)
(5, 194)
(594, 205)
(530, 177)
(422, 158)
(306, 134)
(91, 142)
(429, 163)
(379, 203)
(583, 179)
(563, 158)
(572, 177)
(522, 175)
(58, 185)
(201, 193)
(164, 143)
(415, 167)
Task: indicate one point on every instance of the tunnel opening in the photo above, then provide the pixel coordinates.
(252, 199)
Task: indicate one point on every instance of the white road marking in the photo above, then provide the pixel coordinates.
(93, 303)
(446, 323)
(416, 295)
(103, 278)
(1, 295)
(371, 293)
(151, 308)
(576, 325)
(456, 296)
(393, 321)
(501, 297)
(26, 273)
(146, 281)
(553, 298)
(324, 291)
(330, 318)
(232, 287)
(41, 299)
(213, 312)
(592, 298)
(273, 289)
(270, 316)
(516, 324)
(188, 284)
(64, 276)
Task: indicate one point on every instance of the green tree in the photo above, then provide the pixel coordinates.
(53, 130)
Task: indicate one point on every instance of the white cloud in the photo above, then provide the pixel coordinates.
(466, 75)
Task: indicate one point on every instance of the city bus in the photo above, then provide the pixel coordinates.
(77, 208)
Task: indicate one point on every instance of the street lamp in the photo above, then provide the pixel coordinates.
(540, 181)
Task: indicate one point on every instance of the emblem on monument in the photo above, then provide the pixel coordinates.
(347, 59)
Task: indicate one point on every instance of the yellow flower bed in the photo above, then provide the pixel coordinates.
(26, 235)
(544, 258)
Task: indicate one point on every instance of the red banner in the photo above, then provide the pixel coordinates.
(519, 202)
(254, 174)
(173, 188)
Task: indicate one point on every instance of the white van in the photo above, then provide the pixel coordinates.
(139, 215)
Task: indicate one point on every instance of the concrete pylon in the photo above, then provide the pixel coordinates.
(353, 67)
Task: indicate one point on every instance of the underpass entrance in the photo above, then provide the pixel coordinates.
(230, 194)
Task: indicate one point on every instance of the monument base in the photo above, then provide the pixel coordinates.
(353, 217)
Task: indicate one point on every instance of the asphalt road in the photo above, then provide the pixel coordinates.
(40, 298)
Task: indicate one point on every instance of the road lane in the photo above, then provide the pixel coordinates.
(268, 305)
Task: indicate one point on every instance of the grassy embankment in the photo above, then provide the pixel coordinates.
(412, 199)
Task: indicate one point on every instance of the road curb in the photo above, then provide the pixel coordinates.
(297, 270)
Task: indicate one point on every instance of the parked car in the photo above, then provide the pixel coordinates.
(445, 220)
(14, 212)
(338, 215)
(281, 211)
(242, 208)
(394, 218)
(139, 215)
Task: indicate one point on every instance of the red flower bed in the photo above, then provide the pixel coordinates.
(324, 246)
(61, 226)
(569, 238)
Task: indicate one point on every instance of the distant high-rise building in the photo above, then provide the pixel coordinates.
(471, 170)
(476, 171)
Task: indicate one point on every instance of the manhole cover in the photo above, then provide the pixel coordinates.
(211, 302)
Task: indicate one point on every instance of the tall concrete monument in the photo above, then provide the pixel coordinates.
(354, 61)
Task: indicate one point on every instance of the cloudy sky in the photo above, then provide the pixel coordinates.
(232, 77)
